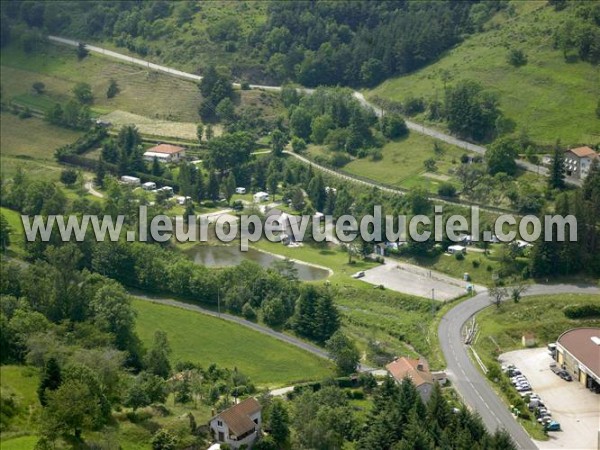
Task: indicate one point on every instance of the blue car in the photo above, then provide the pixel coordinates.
(553, 426)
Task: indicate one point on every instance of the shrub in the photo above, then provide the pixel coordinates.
(586, 311)
(476, 263)
(38, 87)
(517, 57)
(245, 86)
(25, 113)
(68, 177)
(248, 312)
(459, 256)
(447, 190)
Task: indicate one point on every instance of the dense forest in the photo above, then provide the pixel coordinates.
(313, 43)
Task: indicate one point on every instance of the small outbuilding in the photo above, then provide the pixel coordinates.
(149, 186)
(457, 249)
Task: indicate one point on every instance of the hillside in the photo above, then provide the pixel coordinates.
(549, 98)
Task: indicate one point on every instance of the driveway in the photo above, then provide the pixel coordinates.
(415, 280)
(576, 408)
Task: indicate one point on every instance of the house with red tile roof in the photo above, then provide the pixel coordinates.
(578, 161)
(417, 370)
(238, 425)
(165, 153)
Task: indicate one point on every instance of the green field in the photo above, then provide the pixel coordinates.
(502, 329)
(30, 143)
(549, 98)
(402, 163)
(22, 382)
(205, 340)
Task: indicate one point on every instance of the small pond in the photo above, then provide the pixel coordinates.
(224, 256)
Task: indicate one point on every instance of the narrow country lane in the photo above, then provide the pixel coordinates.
(418, 128)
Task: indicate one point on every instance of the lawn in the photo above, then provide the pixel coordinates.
(502, 329)
(397, 323)
(206, 340)
(548, 98)
(17, 243)
(402, 164)
(22, 381)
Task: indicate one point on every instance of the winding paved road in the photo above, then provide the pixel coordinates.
(468, 381)
(419, 128)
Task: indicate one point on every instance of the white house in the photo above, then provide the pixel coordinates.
(134, 181)
(578, 161)
(238, 425)
(240, 190)
(261, 197)
(149, 185)
(165, 153)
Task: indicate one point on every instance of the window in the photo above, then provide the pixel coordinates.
(219, 423)
(256, 421)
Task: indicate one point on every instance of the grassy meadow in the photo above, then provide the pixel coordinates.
(549, 98)
(204, 339)
(502, 328)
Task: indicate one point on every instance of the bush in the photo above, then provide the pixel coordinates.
(245, 86)
(68, 177)
(25, 113)
(248, 312)
(476, 263)
(586, 311)
(447, 190)
(459, 256)
(38, 87)
(517, 57)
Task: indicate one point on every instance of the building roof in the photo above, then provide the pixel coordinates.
(584, 152)
(584, 345)
(166, 149)
(238, 418)
(157, 155)
(406, 367)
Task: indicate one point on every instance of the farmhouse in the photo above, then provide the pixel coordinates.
(578, 351)
(165, 153)
(238, 425)
(415, 369)
(578, 161)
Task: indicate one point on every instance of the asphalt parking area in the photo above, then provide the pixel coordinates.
(576, 408)
(415, 280)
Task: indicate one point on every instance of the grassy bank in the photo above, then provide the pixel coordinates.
(549, 98)
(205, 340)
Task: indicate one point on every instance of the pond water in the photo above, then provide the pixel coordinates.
(224, 256)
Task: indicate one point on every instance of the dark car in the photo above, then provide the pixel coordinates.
(565, 375)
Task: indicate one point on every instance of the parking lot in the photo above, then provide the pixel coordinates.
(576, 408)
(415, 280)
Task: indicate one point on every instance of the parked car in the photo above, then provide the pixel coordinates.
(553, 426)
(565, 375)
(358, 274)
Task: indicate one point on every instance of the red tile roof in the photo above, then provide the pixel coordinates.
(166, 148)
(406, 367)
(238, 418)
(584, 152)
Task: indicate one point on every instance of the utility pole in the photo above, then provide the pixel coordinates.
(219, 301)
(432, 301)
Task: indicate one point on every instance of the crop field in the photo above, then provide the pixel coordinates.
(549, 98)
(203, 339)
